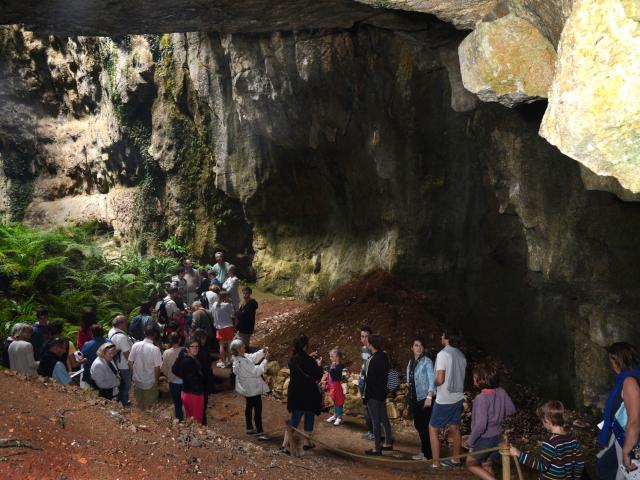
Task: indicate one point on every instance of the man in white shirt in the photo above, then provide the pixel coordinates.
(447, 411)
(119, 337)
(192, 278)
(145, 361)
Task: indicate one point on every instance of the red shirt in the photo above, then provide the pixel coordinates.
(83, 337)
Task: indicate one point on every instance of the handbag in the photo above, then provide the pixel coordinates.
(393, 380)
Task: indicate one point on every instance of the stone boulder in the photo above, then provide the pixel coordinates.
(594, 102)
(464, 14)
(507, 61)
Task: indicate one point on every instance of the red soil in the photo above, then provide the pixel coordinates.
(376, 299)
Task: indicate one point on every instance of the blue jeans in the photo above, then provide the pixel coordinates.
(125, 386)
(309, 418)
(176, 390)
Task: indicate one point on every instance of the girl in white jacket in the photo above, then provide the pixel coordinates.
(248, 369)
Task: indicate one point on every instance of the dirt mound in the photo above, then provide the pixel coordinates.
(376, 299)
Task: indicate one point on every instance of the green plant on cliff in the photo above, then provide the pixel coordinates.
(65, 271)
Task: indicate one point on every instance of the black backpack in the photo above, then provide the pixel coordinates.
(163, 317)
(118, 355)
(136, 329)
(204, 301)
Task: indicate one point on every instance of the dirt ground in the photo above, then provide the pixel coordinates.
(76, 435)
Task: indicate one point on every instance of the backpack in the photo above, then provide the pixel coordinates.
(393, 380)
(204, 301)
(118, 356)
(136, 329)
(163, 317)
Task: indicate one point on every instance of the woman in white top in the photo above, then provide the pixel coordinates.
(248, 369)
(21, 357)
(223, 320)
(232, 285)
(104, 372)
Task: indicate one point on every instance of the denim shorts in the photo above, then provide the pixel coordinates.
(443, 415)
(486, 442)
(309, 418)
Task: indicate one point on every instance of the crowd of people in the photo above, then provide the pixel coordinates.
(203, 317)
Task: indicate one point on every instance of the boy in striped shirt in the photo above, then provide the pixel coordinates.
(561, 457)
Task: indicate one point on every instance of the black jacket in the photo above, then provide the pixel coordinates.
(190, 371)
(376, 376)
(303, 392)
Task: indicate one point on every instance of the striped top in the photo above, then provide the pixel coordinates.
(561, 459)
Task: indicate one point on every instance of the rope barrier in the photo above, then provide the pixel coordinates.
(387, 459)
(503, 449)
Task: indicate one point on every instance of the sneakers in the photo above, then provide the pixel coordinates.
(419, 457)
(331, 419)
(450, 463)
(338, 421)
(220, 364)
(250, 431)
(263, 437)
(367, 436)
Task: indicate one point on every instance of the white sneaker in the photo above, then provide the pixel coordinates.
(419, 456)
(338, 421)
(331, 419)
(220, 365)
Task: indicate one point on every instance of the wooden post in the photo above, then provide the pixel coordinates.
(506, 458)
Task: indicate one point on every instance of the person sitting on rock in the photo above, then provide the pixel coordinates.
(105, 375)
(41, 334)
(90, 353)
(52, 363)
(7, 343)
(248, 369)
(20, 351)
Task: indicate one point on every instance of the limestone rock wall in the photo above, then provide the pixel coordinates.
(312, 157)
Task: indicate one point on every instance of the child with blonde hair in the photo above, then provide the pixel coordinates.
(334, 385)
(561, 457)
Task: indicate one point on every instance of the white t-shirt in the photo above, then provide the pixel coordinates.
(170, 306)
(231, 285)
(145, 357)
(222, 315)
(123, 344)
(454, 364)
(212, 297)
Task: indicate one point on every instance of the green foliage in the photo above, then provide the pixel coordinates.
(65, 271)
(172, 246)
